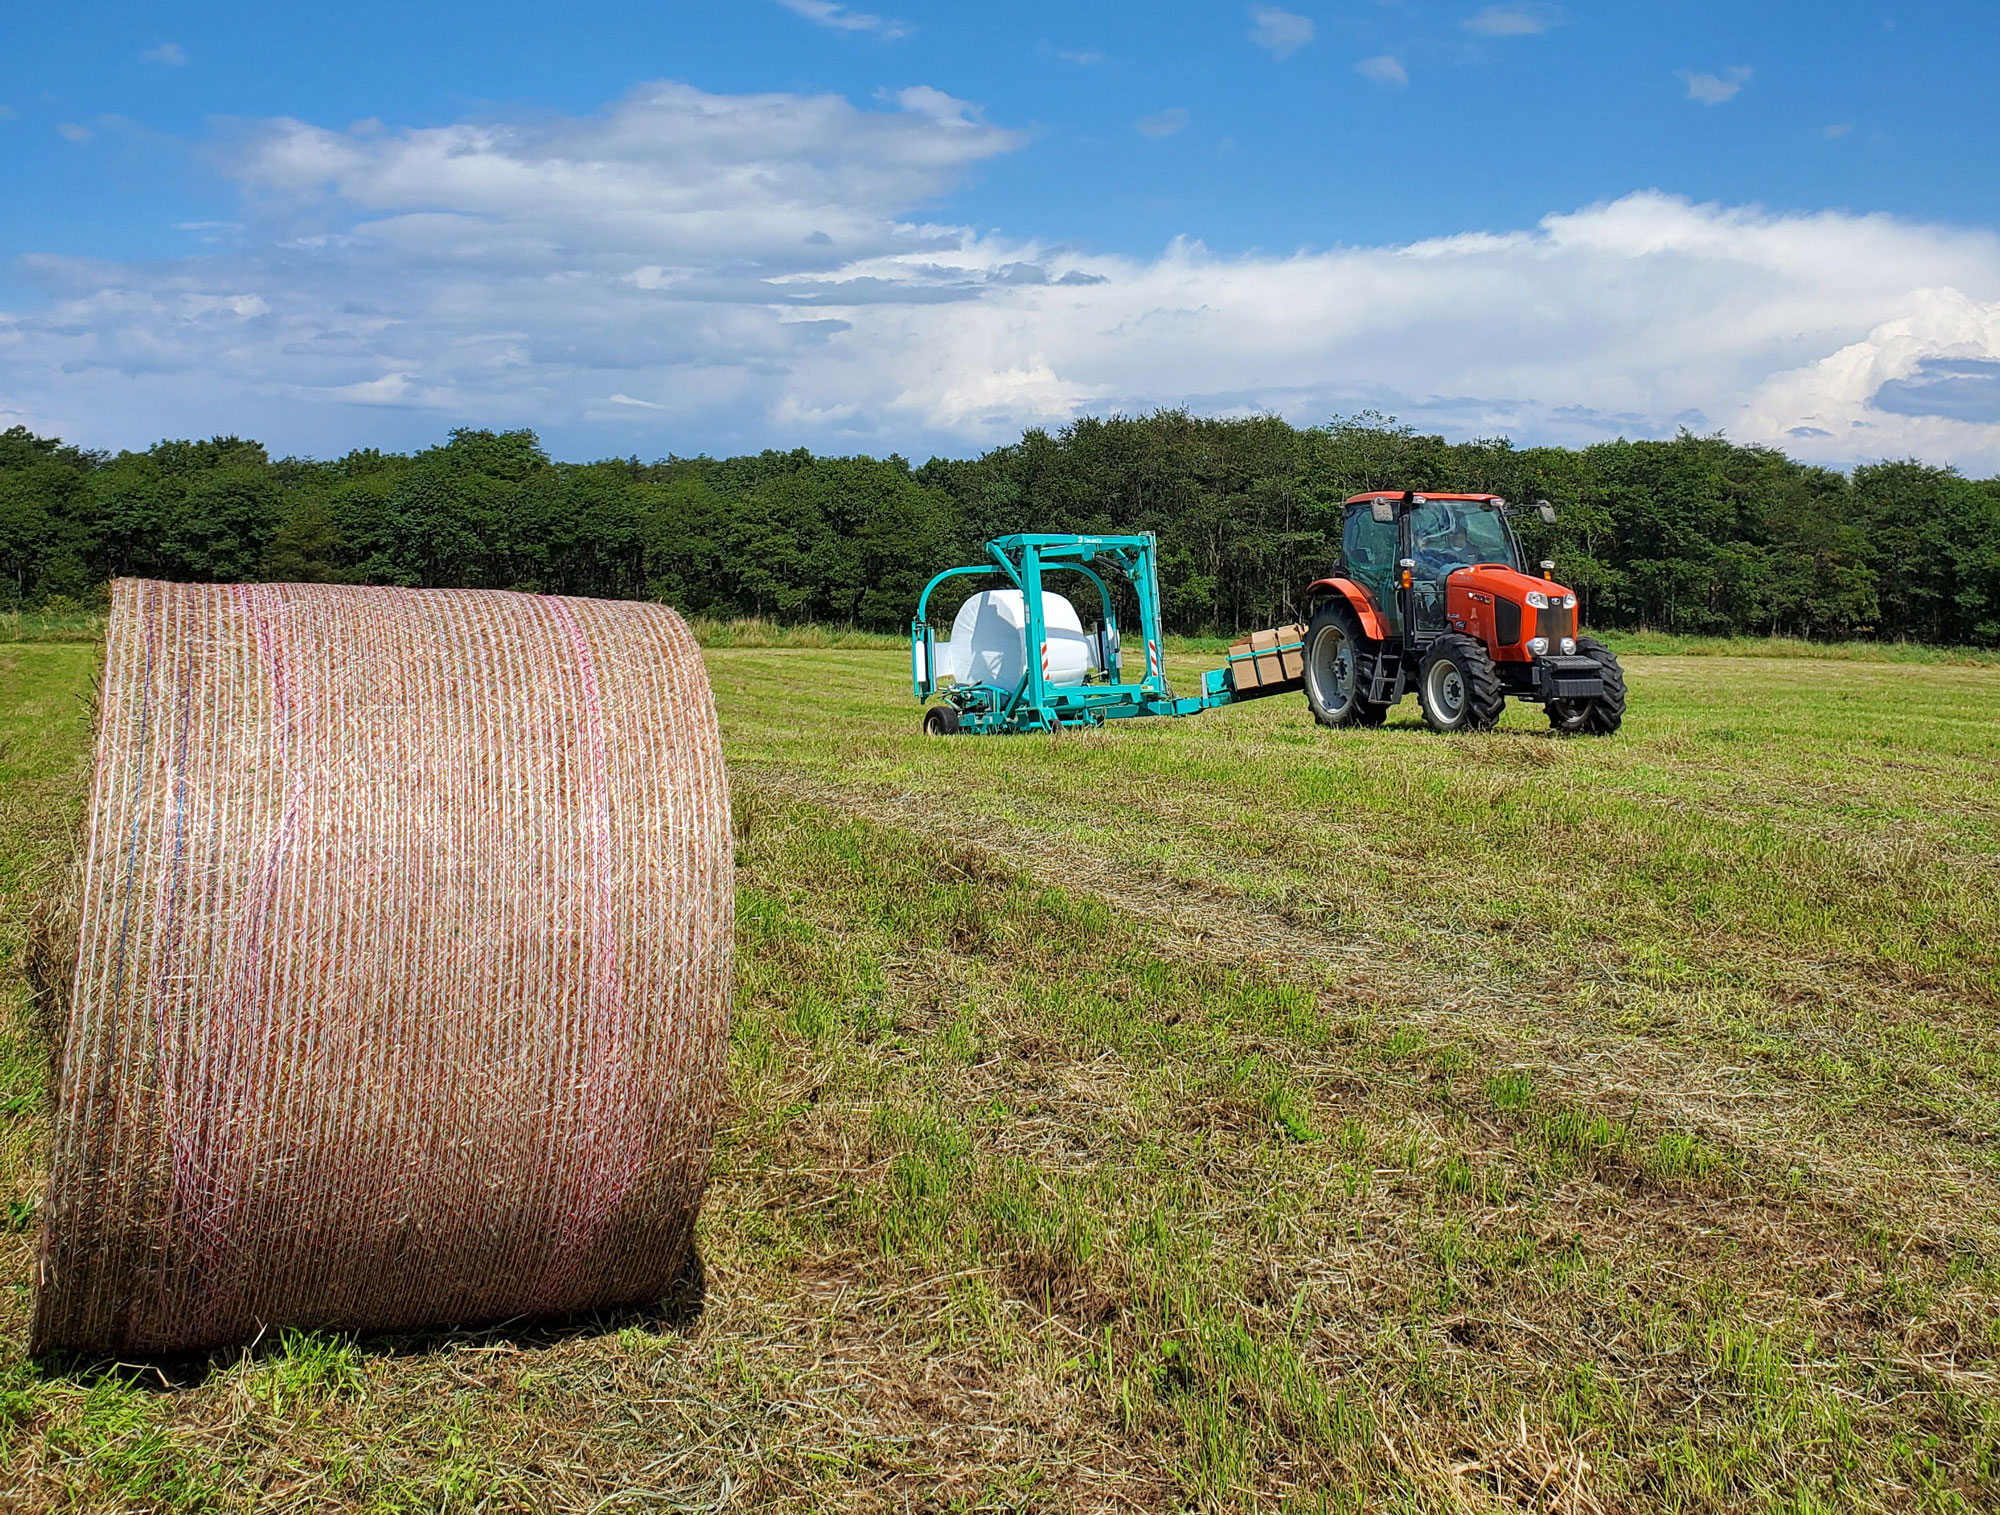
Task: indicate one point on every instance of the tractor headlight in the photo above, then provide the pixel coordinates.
(1537, 600)
(1569, 602)
(1569, 646)
(1539, 646)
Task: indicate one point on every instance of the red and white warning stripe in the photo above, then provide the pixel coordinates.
(1152, 657)
(1045, 662)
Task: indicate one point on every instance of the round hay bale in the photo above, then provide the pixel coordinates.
(401, 995)
(48, 956)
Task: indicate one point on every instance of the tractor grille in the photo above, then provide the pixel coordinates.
(1555, 623)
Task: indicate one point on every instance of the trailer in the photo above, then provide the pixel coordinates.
(1021, 659)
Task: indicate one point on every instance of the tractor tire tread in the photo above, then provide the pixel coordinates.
(1359, 712)
(1485, 699)
(1607, 712)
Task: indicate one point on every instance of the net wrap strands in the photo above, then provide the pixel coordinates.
(402, 989)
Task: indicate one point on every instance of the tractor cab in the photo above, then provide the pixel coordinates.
(1433, 595)
(1436, 535)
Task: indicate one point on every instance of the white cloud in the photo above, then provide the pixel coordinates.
(1714, 89)
(686, 271)
(1838, 130)
(710, 177)
(72, 132)
(1383, 70)
(1165, 124)
(1280, 33)
(842, 18)
(166, 54)
(1932, 374)
(1082, 60)
(1521, 20)
(390, 389)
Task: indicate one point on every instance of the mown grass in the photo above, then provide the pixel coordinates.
(1224, 1113)
(1665, 644)
(1668, 644)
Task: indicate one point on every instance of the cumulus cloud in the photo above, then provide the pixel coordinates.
(1522, 20)
(671, 173)
(1279, 33)
(1164, 124)
(1383, 70)
(685, 270)
(842, 18)
(1930, 377)
(72, 132)
(1714, 89)
(166, 54)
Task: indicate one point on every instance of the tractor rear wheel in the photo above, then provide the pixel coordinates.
(941, 720)
(1335, 647)
(1598, 717)
(1457, 686)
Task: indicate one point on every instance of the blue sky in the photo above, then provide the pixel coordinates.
(923, 227)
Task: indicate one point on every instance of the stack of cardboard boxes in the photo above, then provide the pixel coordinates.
(1268, 661)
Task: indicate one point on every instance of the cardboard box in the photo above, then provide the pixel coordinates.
(1292, 651)
(1242, 666)
(1270, 667)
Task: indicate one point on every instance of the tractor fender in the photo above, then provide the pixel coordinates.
(1359, 598)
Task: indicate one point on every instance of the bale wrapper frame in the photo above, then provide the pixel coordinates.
(1021, 673)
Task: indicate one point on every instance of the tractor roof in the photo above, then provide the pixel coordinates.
(1422, 494)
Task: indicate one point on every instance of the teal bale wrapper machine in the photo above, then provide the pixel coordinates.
(1020, 658)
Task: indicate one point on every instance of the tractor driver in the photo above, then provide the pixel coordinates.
(1441, 544)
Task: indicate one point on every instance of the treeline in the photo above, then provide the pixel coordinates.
(1691, 535)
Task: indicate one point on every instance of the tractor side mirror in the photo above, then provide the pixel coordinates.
(1384, 512)
(1546, 511)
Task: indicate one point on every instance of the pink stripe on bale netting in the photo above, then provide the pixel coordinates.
(403, 987)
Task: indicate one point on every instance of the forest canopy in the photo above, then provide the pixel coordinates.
(1695, 534)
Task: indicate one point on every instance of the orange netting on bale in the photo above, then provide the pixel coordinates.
(403, 980)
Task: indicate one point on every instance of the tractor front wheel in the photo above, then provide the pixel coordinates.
(941, 720)
(1457, 687)
(1598, 717)
(1335, 645)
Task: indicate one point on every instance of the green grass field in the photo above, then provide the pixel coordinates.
(1223, 1114)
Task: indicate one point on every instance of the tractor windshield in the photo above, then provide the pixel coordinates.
(1448, 534)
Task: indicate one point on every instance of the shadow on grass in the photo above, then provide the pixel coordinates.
(677, 1312)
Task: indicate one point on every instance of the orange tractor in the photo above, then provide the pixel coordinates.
(1432, 595)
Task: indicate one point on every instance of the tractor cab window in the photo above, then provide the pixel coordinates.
(1447, 535)
(1369, 547)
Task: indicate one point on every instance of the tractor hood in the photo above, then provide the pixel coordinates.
(1489, 601)
(1502, 582)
